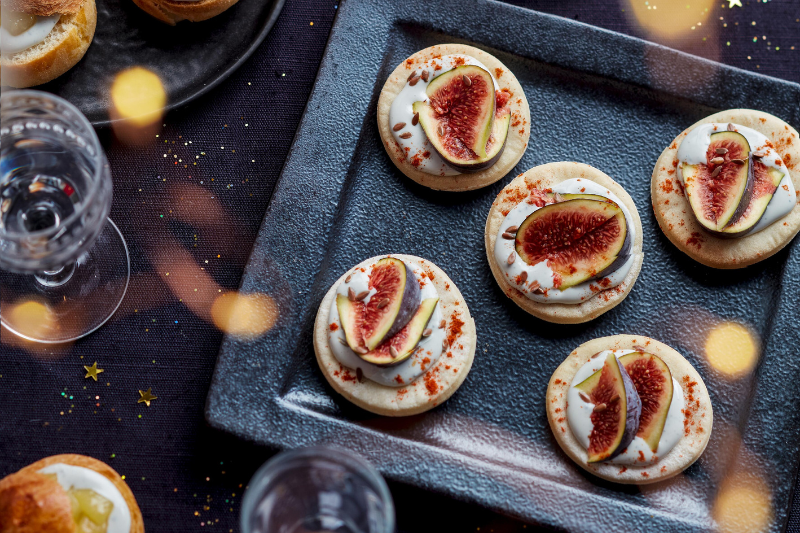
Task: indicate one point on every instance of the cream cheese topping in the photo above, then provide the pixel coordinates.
(402, 110)
(540, 275)
(693, 150)
(404, 373)
(11, 44)
(579, 417)
(71, 476)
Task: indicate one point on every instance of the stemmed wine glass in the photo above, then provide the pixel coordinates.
(64, 266)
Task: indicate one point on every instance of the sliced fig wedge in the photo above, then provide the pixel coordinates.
(388, 310)
(494, 146)
(653, 382)
(458, 116)
(394, 303)
(351, 316)
(617, 407)
(765, 183)
(406, 340)
(580, 239)
(719, 191)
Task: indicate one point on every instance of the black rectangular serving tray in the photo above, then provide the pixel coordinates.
(597, 97)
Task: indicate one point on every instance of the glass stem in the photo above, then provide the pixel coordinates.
(55, 278)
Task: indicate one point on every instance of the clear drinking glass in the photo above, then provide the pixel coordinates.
(64, 265)
(317, 490)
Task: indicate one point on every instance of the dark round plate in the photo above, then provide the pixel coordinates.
(191, 58)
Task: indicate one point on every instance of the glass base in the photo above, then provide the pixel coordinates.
(51, 309)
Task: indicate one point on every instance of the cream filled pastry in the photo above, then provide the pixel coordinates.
(42, 39)
(19, 31)
(68, 494)
(174, 11)
(394, 336)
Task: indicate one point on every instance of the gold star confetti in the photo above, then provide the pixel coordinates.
(146, 397)
(732, 3)
(92, 371)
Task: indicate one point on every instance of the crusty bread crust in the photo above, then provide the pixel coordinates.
(172, 12)
(137, 523)
(43, 8)
(32, 503)
(18, 70)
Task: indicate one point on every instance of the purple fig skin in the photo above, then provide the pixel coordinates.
(633, 414)
(409, 304)
(477, 167)
(743, 205)
(622, 257)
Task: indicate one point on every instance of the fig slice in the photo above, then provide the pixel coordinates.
(765, 183)
(494, 146)
(458, 117)
(615, 418)
(580, 239)
(719, 197)
(653, 382)
(391, 306)
(406, 340)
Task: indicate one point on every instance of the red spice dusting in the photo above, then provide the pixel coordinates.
(786, 188)
(446, 285)
(583, 189)
(558, 410)
(416, 160)
(401, 393)
(346, 375)
(501, 98)
(409, 61)
(498, 72)
(399, 379)
(560, 420)
(459, 61)
(623, 469)
(696, 239)
(557, 382)
(645, 474)
(431, 275)
(641, 455)
(664, 468)
(430, 383)
(605, 282)
(454, 331)
(334, 326)
(437, 67)
(667, 186)
(424, 363)
(516, 123)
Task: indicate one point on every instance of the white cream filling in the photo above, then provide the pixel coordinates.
(693, 151)
(11, 44)
(71, 476)
(402, 111)
(579, 417)
(410, 369)
(541, 273)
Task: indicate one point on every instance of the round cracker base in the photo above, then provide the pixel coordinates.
(675, 216)
(543, 177)
(519, 130)
(137, 522)
(450, 371)
(699, 412)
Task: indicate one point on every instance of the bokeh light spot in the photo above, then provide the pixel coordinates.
(732, 349)
(31, 319)
(244, 315)
(743, 504)
(138, 95)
